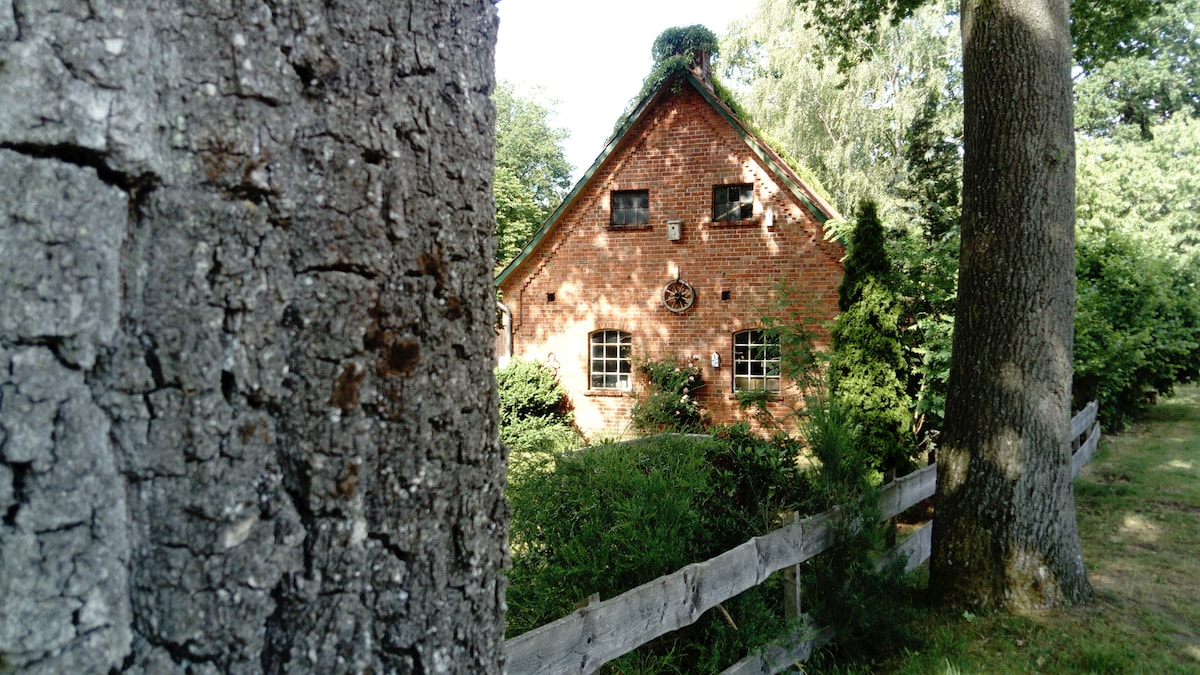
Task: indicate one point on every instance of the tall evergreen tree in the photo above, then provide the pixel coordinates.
(868, 372)
(866, 258)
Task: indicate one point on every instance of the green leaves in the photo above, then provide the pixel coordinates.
(535, 414)
(1140, 62)
(1137, 317)
(669, 401)
(531, 176)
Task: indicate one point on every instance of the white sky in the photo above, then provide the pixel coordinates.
(589, 58)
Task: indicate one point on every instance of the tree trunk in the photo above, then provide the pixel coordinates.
(1005, 533)
(247, 412)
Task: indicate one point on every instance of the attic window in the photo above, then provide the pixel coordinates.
(630, 208)
(733, 202)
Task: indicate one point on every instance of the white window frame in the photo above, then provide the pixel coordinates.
(756, 362)
(610, 363)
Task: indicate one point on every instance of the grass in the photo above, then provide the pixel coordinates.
(1138, 505)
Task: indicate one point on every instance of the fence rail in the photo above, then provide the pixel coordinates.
(595, 634)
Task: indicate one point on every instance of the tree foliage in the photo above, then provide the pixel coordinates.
(531, 175)
(1137, 325)
(1139, 64)
(925, 255)
(868, 371)
(846, 127)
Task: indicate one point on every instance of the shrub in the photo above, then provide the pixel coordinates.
(869, 610)
(669, 401)
(535, 414)
(1137, 324)
(609, 518)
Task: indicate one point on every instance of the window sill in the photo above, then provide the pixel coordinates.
(774, 397)
(630, 228)
(608, 393)
(749, 222)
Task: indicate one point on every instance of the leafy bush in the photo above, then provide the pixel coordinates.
(869, 610)
(535, 414)
(1137, 324)
(669, 403)
(607, 519)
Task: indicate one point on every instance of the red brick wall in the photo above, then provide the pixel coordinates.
(603, 278)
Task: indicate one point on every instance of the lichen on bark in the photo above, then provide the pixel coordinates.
(247, 418)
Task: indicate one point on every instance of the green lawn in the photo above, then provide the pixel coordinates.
(1139, 517)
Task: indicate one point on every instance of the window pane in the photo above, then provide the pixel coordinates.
(630, 207)
(610, 363)
(756, 363)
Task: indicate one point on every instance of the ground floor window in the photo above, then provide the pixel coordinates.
(610, 363)
(755, 361)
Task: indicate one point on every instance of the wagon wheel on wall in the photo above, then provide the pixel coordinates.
(678, 296)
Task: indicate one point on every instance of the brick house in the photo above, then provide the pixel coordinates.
(672, 246)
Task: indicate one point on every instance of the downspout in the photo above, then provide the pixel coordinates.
(508, 332)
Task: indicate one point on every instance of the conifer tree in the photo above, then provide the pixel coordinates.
(868, 373)
(866, 257)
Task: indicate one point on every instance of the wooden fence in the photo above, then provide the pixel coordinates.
(591, 636)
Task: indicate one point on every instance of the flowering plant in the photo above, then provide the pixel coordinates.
(669, 401)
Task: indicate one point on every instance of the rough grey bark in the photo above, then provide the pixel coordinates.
(247, 414)
(1005, 533)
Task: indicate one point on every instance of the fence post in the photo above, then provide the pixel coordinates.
(791, 584)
